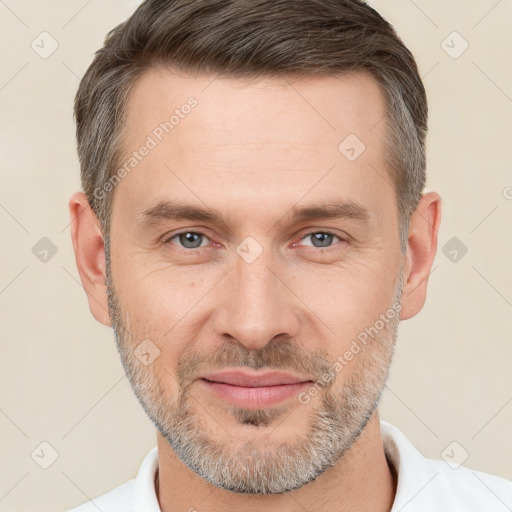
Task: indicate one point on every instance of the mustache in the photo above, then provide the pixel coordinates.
(284, 355)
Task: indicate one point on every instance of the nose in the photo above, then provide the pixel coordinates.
(257, 304)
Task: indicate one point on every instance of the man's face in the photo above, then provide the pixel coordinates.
(260, 289)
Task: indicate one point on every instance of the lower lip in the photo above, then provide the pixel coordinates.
(254, 398)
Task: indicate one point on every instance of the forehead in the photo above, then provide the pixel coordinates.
(247, 141)
(331, 105)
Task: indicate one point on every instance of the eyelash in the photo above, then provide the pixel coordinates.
(200, 249)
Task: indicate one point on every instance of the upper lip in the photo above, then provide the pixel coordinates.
(254, 380)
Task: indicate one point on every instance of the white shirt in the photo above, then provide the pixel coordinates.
(423, 484)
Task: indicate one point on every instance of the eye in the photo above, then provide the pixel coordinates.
(195, 240)
(321, 239)
(188, 239)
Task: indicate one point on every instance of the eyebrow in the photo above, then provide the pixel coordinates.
(173, 210)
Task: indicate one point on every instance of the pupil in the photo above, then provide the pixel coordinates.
(322, 238)
(187, 240)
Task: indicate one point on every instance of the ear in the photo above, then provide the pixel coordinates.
(421, 250)
(89, 248)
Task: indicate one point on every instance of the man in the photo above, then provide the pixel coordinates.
(253, 226)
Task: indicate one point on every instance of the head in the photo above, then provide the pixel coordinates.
(253, 178)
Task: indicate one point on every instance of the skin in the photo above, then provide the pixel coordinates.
(253, 151)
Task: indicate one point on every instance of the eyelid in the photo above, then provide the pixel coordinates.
(167, 238)
(342, 238)
(200, 231)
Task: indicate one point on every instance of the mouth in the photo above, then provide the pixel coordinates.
(254, 390)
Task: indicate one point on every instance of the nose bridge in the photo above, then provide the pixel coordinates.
(257, 305)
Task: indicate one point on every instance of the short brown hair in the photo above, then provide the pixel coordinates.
(247, 39)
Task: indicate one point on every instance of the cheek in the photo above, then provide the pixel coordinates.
(347, 300)
(155, 290)
(165, 305)
(167, 302)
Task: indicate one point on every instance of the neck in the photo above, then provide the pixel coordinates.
(359, 482)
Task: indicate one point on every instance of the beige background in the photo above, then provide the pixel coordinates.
(60, 378)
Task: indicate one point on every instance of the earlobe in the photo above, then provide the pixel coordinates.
(89, 248)
(421, 251)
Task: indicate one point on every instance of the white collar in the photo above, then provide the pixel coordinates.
(423, 484)
(397, 448)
